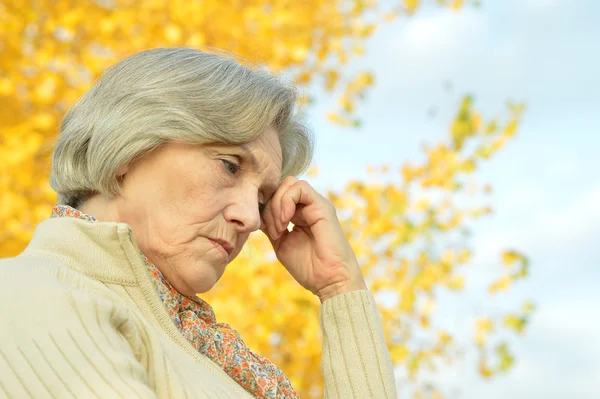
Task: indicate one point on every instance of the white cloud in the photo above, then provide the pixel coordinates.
(544, 230)
(441, 33)
(577, 221)
(574, 320)
(506, 48)
(435, 44)
(525, 197)
(563, 168)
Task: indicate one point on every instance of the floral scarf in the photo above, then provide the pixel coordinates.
(219, 342)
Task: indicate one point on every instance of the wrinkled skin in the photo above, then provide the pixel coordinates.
(192, 208)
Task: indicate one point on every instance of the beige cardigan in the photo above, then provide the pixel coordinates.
(81, 318)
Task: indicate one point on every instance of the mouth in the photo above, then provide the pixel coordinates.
(223, 246)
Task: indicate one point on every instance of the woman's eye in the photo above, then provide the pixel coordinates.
(232, 167)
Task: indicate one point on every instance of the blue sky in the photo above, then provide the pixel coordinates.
(546, 186)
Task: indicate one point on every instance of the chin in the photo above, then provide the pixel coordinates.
(202, 290)
(199, 277)
(205, 284)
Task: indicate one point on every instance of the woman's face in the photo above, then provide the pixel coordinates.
(193, 207)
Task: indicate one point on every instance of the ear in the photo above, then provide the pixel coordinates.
(122, 171)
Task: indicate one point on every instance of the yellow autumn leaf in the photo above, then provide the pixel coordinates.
(399, 353)
(515, 323)
(456, 283)
(528, 307)
(501, 284)
(511, 128)
(484, 369)
(506, 360)
(491, 127)
(510, 257)
(485, 324)
(411, 5)
(456, 4)
(331, 79)
(468, 166)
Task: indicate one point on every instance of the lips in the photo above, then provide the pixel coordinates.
(223, 245)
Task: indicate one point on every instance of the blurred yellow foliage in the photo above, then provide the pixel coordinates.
(510, 257)
(411, 5)
(518, 266)
(53, 52)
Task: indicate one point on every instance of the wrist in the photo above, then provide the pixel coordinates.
(341, 288)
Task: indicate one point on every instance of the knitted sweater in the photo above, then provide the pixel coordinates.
(81, 318)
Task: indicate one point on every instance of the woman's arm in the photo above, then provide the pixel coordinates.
(356, 362)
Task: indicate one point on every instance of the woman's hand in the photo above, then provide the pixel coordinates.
(316, 251)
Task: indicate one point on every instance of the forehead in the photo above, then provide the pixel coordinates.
(265, 154)
(269, 143)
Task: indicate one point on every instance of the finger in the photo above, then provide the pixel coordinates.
(268, 226)
(271, 212)
(299, 194)
(275, 202)
(314, 214)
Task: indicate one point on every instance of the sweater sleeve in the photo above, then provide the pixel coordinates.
(356, 362)
(59, 340)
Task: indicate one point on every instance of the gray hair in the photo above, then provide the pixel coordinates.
(171, 94)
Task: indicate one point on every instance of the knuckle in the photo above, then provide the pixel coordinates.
(303, 184)
(289, 180)
(327, 204)
(330, 207)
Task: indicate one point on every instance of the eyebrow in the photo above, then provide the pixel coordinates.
(271, 187)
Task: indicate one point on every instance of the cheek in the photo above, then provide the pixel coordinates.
(202, 217)
(190, 205)
(199, 199)
(178, 223)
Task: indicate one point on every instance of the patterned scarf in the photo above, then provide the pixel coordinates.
(219, 342)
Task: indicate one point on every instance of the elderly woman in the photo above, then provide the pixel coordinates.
(163, 169)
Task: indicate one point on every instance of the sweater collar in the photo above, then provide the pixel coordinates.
(105, 251)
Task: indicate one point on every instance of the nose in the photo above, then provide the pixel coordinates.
(243, 212)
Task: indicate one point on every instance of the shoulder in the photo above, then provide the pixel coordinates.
(41, 294)
(63, 328)
(26, 275)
